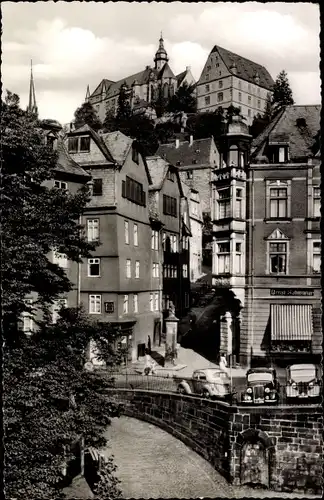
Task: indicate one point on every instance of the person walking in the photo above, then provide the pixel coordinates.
(223, 363)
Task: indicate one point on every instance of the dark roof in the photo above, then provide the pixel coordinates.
(66, 164)
(181, 76)
(166, 72)
(186, 154)
(245, 68)
(260, 369)
(286, 127)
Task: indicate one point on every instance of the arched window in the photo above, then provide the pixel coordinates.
(233, 156)
(171, 90)
(166, 90)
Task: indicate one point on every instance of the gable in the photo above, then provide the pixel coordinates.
(277, 234)
(214, 69)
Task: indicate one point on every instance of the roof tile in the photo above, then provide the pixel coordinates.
(198, 154)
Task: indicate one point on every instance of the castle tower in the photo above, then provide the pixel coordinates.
(32, 106)
(161, 56)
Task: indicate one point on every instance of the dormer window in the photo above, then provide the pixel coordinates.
(278, 153)
(73, 144)
(84, 144)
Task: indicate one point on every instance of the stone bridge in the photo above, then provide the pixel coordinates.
(279, 447)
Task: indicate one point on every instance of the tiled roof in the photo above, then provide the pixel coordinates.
(118, 145)
(166, 72)
(198, 154)
(104, 83)
(158, 169)
(246, 69)
(181, 76)
(66, 164)
(286, 126)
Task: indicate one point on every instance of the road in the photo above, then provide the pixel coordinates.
(153, 464)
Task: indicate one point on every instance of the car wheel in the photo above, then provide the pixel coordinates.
(180, 390)
(205, 394)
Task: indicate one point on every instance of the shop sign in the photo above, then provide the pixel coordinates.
(291, 292)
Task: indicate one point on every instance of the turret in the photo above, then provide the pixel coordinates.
(161, 56)
(32, 106)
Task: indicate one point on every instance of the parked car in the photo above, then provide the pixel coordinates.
(303, 382)
(208, 382)
(262, 387)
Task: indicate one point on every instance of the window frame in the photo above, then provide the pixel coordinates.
(224, 255)
(185, 270)
(137, 269)
(226, 202)
(154, 239)
(238, 258)
(95, 303)
(151, 302)
(273, 253)
(60, 259)
(128, 268)
(207, 100)
(278, 184)
(238, 211)
(135, 234)
(156, 301)
(220, 96)
(98, 262)
(126, 232)
(97, 191)
(316, 199)
(28, 322)
(75, 142)
(88, 142)
(135, 303)
(61, 185)
(126, 304)
(220, 84)
(169, 206)
(92, 229)
(317, 253)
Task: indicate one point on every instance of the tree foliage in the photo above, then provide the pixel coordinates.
(183, 100)
(282, 93)
(86, 115)
(160, 103)
(123, 109)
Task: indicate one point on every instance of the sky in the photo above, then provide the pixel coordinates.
(79, 43)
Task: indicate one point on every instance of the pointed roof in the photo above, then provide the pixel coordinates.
(85, 129)
(297, 125)
(244, 68)
(118, 145)
(32, 106)
(161, 53)
(158, 169)
(181, 76)
(166, 72)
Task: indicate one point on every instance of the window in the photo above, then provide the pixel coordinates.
(27, 319)
(133, 191)
(249, 112)
(128, 268)
(73, 144)
(174, 243)
(208, 68)
(185, 243)
(207, 76)
(155, 270)
(220, 84)
(125, 304)
(94, 304)
(239, 203)
(316, 257)
(207, 100)
(217, 65)
(316, 202)
(170, 175)
(164, 236)
(185, 270)
(126, 228)
(249, 99)
(207, 88)
(60, 185)
(155, 240)
(238, 258)
(187, 300)
(97, 187)
(156, 302)
(282, 155)
(151, 302)
(135, 303)
(165, 302)
(169, 206)
(135, 234)
(239, 85)
(85, 144)
(60, 259)
(135, 155)
(50, 141)
(94, 267)
(223, 256)
(278, 203)
(240, 96)
(189, 174)
(93, 229)
(57, 306)
(278, 257)
(220, 96)
(224, 203)
(137, 269)
(259, 104)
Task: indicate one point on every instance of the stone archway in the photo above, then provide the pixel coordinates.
(255, 450)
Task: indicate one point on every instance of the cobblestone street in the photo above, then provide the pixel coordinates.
(153, 464)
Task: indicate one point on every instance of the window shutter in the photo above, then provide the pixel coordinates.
(123, 189)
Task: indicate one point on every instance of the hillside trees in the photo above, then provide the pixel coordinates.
(282, 93)
(86, 115)
(184, 99)
(49, 401)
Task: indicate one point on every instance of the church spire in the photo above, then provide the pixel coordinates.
(161, 56)
(87, 94)
(32, 106)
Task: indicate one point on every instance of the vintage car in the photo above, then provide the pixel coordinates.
(303, 382)
(207, 382)
(262, 387)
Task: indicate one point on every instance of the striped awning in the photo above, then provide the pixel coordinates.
(291, 322)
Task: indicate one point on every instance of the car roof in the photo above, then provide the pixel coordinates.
(308, 366)
(260, 370)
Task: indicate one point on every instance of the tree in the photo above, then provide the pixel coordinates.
(183, 100)
(282, 93)
(160, 103)
(123, 109)
(49, 401)
(260, 122)
(86, 115)
(208, 124)
(110, 123)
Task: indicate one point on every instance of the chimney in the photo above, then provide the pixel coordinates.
(191, 140)
(177, 143)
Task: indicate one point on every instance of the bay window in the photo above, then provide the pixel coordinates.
(223, 257)
(224, 203)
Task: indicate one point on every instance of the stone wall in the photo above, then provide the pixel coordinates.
(285, 443)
